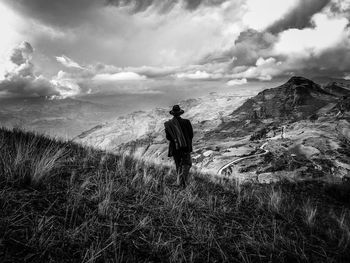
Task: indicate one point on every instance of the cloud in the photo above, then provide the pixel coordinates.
(235, 82)
(326, 33)
(340, 7)
(62, 13)
(163, 6)
(93, 31)
(334, 62)
(65, 87)
(196, 75)
(67, 62)
(311, 39)
(21, 81)
(153, 72)
(263, 13)
(263, 70)
(202, 72)
(29, 86)
(22, 53)
(121, 76)
(300, 16)
(120, 40)
(248, 47)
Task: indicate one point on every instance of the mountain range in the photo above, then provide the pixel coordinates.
(314, 119)
(60, 118)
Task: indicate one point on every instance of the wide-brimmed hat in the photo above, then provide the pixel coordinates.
(176, 110)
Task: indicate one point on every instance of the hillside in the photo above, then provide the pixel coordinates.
(61, 202)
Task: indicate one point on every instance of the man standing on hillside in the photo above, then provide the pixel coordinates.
(179, 132)
(283, 132)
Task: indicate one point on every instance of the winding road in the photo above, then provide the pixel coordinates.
(227, 168)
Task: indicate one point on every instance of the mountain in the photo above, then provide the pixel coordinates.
(297, 99)
(314, 120)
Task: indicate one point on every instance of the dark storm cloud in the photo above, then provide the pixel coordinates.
(62, 13)
(142, 5)
(334, 62)
(67, 13)
(162, 5)
(300, 16)
(249, 46)
(28, 87)
(193, 4)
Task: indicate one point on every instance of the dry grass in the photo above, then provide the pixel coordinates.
(275, 200)
(310, 213)
(61, 202)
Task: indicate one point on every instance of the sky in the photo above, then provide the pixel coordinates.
(64, 48)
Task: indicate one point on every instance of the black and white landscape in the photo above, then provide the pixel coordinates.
(85, 89)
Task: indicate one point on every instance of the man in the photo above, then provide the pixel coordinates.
(283, 132)
(179, 132)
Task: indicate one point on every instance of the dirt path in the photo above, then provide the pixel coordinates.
(228, 166)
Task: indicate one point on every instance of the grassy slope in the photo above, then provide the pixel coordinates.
(61, 202)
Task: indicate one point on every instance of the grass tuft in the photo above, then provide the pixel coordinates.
(310, 213)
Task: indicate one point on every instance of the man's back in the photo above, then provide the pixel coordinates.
(187, 130)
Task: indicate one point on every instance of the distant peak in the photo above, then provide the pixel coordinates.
(299, 80)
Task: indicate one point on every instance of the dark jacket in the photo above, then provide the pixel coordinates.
(187, 130)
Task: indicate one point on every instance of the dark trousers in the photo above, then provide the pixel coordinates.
(183, 164)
